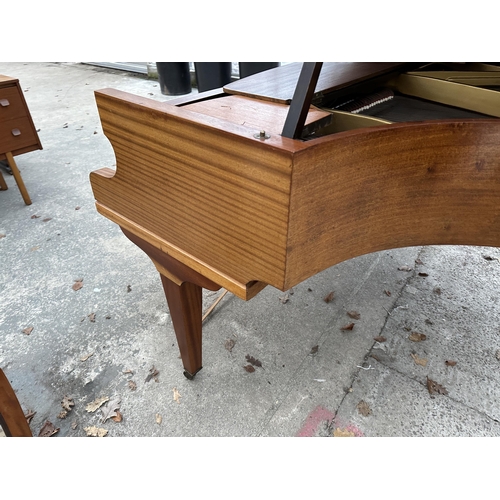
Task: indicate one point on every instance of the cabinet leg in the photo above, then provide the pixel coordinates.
(3, 184)
(19, 179)
(185, 305)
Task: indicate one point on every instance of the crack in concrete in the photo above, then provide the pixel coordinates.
(272, 411)
(388, 315)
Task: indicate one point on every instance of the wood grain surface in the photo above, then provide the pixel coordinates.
(12, 417)
(203, 190)
(239, 210)
(393, 186)
(278, 84)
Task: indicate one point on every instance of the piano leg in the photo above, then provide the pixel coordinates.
(183, 290)
(184, 303)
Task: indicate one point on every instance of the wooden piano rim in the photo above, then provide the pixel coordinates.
(276, 140)
(248, 290)
(245, 291)
(392, 126)
(204, 122)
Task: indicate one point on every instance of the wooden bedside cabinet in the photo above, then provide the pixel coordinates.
(17, 131)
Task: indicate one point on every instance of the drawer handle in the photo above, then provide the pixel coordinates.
(16, 131)
(4, 102)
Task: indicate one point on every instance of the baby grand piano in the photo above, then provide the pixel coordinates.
(283, 174)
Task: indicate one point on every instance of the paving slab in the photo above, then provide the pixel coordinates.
(450, 300)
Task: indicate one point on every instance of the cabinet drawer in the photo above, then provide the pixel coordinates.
(11, 104)
(16, 134)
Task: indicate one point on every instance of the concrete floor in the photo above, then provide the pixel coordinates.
(103, 340)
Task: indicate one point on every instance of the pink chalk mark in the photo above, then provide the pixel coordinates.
(354, 429)
(313, 420)
(320, 415)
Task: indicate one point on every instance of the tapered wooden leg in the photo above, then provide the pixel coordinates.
(185, 305)
(183, 290)
(12, 418)
(19, 179)
(3, 184)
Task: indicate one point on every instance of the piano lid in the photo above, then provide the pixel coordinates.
(279, 84)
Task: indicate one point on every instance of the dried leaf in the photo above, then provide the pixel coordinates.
(405, 268)
(424, 275)
(177, 396)
(417, 337)
(92, 407)
(47, 219)
(29, 416)
(35, 216)
(74, 424)
(435, 388)
(253, 361)
(87, 356)
(62, 414)
(2, 235)
(387, 292)
(314, 350)
(110, 409)
(158, 418)
(153, 374)
(77, 285)
(363, 408)
(128, 372)
(380, 338)
(419, 361)
(229, 344)
(450, 363)
(28, 330)
(249, 368)
(418, 262)
(95, 431)
(353, 314)
(285, 298)
(132, 385)
(67, 403)
(328, 298)
(343, 433)
(91, 317)
(48, 429)
(118, 417)
(349, 326)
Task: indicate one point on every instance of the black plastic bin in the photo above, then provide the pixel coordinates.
(251, 68)
(174, 78)
(212, 75)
